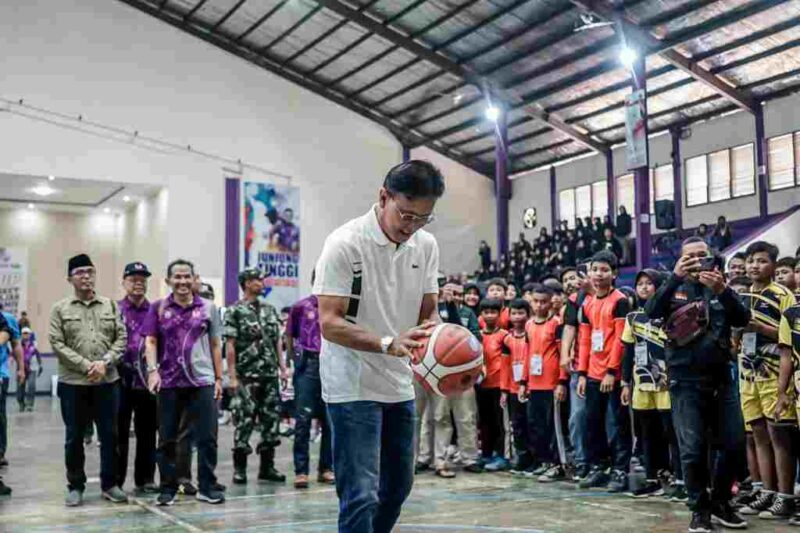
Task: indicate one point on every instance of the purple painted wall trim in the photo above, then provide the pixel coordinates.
(406, 153)
(762, 164)
(232, 220)
(773, 220)
(677, 176)
(502, 183)
(610, 186)
(641, 177)
(554, 214)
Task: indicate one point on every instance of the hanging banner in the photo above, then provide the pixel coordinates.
(13, 279)
(270, 238)
(635, 130)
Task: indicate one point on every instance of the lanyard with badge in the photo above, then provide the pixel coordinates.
(598, 336)
(640, 351)
(750, 338)
(517, 366)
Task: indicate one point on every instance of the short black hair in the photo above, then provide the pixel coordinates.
(519, 303)
(604, 256)
(740, 280)
(179, 262)
(491, 305)
(763, 247)
(738, 255)
(693, 239)
(787, 261)
(286, 310)
(415, 179)
(543, 288)
(471, 285)
(564, 271)
(497, 281)
(528, 287)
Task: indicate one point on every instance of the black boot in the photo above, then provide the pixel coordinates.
(239, 467)
(266, 470)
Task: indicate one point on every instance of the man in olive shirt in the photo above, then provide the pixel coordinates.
(88, 336)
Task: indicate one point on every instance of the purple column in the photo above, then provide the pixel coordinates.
(677, 176)
(501, 182)
(611, 186)
(233, 214)
(641, 178)
(406, 153)
(761, 164)
(554, 214)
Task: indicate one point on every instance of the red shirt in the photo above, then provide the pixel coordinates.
(495, 363)
(600, 335)
(504, 322)
(517, 348)
(544, 341)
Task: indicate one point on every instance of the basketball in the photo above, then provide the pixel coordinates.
(450, 360)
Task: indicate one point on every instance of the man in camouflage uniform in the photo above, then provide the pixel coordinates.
(252, 332)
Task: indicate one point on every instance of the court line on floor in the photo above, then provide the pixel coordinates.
(614, 508)
(279, 494)
(166, 516)
(466, 527)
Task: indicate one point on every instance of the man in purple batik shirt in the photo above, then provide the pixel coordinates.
(183, 350)
(288, 234)
(134, 396)
(303, 336)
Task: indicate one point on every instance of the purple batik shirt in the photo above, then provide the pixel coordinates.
(184, 341)
(288, 236)
(29, 351)
(133, 359)
(303, 324)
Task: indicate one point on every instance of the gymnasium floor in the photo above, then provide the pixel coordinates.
(483, 503)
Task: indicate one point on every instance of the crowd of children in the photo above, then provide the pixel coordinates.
(578, 373)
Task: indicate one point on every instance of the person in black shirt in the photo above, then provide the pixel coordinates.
(624, 225)
(705, 406)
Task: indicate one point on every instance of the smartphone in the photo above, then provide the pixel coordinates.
(582, 270)
(441, 281)
(707, 263)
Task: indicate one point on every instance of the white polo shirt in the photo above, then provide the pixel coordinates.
(385, 283)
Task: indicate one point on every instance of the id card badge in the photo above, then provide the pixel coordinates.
(749, 343)
(516, 369)
(597, 340)
(640, 354)
(536, 365)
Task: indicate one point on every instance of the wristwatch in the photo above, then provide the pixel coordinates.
(107, 359)
(151, 369)
(386, 343)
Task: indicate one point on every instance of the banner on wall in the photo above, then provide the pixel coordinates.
(635, 130)
(13, 279)
(270, 238)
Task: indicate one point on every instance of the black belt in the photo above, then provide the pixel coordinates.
(310, 354)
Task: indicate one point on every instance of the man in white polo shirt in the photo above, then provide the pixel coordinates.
(377, 289)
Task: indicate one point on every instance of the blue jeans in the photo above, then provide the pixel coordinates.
(309, 405)
(373, 457)
(80, 405)
(3, 420)
(707, 416)
(198, 404)
(577, 422)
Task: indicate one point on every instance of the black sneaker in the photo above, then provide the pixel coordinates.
(618, 482)
(541, 469)
(555, 473)
(421, 467)
(166, 498)
(581, 471)
(782, 509)
(650, 488)
(518, 468)
(701, 523)
(762, 503)
(211, 496)
(725, 516)
(743, 499)
(678, 493)
(597, 478)
(5, 490)
(187, 488)
(474, 468)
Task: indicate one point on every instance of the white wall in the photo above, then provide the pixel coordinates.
(531, 191)
(780, 116)
(464, 216)
(117, 66)
(785, 235)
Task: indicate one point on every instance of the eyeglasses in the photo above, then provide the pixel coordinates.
(412, 218)
(78, 272)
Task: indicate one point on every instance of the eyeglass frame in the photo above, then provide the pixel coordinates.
(412, 218)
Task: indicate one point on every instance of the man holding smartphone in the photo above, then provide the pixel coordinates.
(705, 406)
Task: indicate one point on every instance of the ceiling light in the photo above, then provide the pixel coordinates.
(492, 113)
(43, 190)
(31, 206)
(50, 178)
(106, 210)
(627, 56)
(457, 98)
(126, 198)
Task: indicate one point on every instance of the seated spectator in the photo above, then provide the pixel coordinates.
(611, 243)
(623, 228)
(702, 232)
(721, 237)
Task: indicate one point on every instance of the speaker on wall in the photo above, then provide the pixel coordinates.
(665, 214)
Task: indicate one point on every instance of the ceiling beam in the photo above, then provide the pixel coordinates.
(505, 98)
(643, 38)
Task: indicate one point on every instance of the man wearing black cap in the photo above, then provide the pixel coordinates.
(89, 339)
(134, 396)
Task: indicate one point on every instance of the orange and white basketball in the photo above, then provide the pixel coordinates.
(450, 360)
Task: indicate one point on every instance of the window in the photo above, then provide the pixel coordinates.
(743, 171)
(626, 195)
(662, 186)
(566, 206)
(719, 176)
(781, 162)
(696, 181)
(583, 201)
(600, 199)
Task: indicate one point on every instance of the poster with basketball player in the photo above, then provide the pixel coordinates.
(13, 279)
(270, 238)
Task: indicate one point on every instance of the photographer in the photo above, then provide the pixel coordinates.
(699, 311)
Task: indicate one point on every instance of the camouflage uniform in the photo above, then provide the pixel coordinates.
(255, 326)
